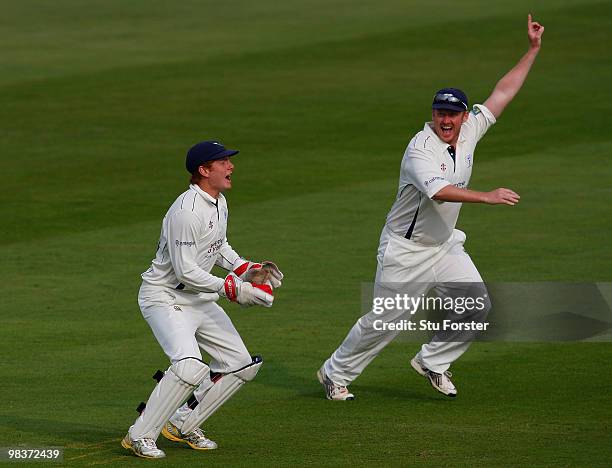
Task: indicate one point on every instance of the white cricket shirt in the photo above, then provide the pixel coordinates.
(193, 239)
(427, 167)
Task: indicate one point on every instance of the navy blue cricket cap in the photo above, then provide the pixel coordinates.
(206, 151)
(451, 99)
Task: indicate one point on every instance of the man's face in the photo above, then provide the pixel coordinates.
(220, 175)
(447, 124)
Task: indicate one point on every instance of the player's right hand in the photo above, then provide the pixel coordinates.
(243, 267)
(247, 294)
(502, 196)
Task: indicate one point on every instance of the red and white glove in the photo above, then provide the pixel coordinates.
(265, 272)
(245, 293)
(242, 267)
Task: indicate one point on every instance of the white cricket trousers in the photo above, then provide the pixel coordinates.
(419, 269)
(184, 324)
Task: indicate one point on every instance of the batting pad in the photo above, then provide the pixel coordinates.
(219, 393)
(178, 382)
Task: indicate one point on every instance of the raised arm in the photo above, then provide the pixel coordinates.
(509, 85)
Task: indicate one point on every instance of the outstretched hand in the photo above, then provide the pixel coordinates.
(502, 196)
(534, 32)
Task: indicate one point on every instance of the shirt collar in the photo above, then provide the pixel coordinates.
(428, 129)
(203, 194)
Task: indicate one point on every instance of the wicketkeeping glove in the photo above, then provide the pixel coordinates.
(265, 272)
(242, 267)
(246, 293)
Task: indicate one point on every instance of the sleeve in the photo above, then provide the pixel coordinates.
(480, 119)
(227, 257)
(420, 170)
(182, 230)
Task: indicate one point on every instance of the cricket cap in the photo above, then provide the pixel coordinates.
(206, 151)
(451, 99)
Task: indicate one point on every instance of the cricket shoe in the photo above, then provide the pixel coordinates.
(195, 439)
(333, 391)
(441, 382)
(144, 448)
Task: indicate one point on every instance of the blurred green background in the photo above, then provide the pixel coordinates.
(100, 101)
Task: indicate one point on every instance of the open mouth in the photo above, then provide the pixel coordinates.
(229, 177)
(447, 130)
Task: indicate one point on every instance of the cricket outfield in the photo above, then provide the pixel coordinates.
(100, 104)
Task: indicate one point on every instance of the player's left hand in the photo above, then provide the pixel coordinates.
(261, 273)
(275, 276)
(534, 32)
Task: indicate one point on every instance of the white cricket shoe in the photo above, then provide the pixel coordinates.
(195, 439)
(441, 382)
(333, 391)
(144, 448)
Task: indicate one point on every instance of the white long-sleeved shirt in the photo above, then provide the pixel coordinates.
(427, 167)
(193, 239)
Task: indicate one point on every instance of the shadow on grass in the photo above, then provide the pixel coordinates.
(306, 385)
(81, 442)
(78, 432)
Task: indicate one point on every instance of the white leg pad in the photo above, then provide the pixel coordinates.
(178, 382)
(219, 393)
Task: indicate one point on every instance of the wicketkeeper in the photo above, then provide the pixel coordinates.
(178, 299)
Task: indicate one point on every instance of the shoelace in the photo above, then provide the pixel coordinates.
(447, 373)
(334, 389)
(438, 377)
(149, 443)
(197, 432)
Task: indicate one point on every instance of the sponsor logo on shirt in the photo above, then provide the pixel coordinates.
(187, 243)
(433, 179)
(215, 246)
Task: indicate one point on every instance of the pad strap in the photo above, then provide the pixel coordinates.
(223, 389)
(177, 383)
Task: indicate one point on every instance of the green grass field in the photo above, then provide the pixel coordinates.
(100, 101)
